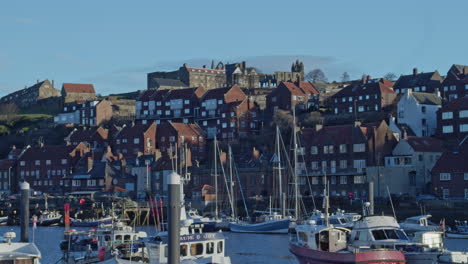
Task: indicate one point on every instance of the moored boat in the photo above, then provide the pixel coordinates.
(418, 223)
(92, 222)
(272, 224)
(461, 230)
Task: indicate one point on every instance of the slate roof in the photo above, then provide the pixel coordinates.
(149, 95)
(185, 93)
(49, 152)
(86, 135)
(425, 144)
(344, 134)
(133, 131)
(5, 164)
(169, 82)
(453, 161)
(457, 104)
(78, 88)
(413, 80)
(370, 87)
(427, 98)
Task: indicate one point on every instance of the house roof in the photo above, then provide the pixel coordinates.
(153, 95)
(186, 129)
(205, 70)
(425, 144)
(453, 161)
(344, 134)
(135, 130)
(457, 104)
(87, 134)
(427, 98)
(217, 93)
(169, 82)
(308, 87)
(372, 86)
(78, 88)
(6, 164)
(49, 152)
(413, 80)
(185, 93)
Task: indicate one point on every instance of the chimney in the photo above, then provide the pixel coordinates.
(90, 163)
(123, 166)
(368, 78)
(415, 71)
(204, 66)
(185, 65)
(37, 80)
(243, 65)
(53, 84)
(404, 134)
(437, 92)
(364, 78)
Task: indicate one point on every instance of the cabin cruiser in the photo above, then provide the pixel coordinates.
(384, 232)
(461, 230)
(337, 220)
(418, 223)
(49, 218)
(209, 225)
(18, 252)
(312, 243)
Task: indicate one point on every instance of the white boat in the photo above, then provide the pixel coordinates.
(461, 230)
(337, 220)
(271, 224)
(18, 252)
(384, 232)
(418, 223)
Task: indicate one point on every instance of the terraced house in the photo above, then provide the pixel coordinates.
(137, 138)
(31, 95)
(455, 83)
(426, 82)
(452, 121)
(288, 95)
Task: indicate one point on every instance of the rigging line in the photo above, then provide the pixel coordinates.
(308, 180)
(225, 179)
(241, 190)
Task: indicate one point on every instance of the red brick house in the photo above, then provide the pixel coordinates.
(44, 166)
(343, 153)
(148, 101)
(95, 137)
(72, 92)
(452, 121)
(172, 135)
(136, 138)
(287, 95)
(366, 95)
(455, 83)
(426, 82)
(209, 115)
(450, 174)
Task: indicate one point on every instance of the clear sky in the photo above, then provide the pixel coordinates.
(113, 44)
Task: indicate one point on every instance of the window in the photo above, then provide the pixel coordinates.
(224, 125)
(314, 180)
(343, 179)
(360, 108)
(343, 164)
(158, 103)
(136, 141)
(168, 112)
(463, 127)
(423, 109)
(423, 88)
(444, 176)
(463, 113)
(333, 180)
(465, 176)
(360, 98)
(445, 88)
(314, 150)
(350, 99)
(331, 149)
(466, 193)
(314, 165)
(187, 110)
(367, 97)
(220, 102)
(343, 148)
(358, 179)
(220, 247)
(205, 123)
(48, 162)
(445, 193)
(343, 99)
(37, 162)
(376, 107)
(453, 87)
(186, 102)
(63, 161)
(350, 109)
(423, 121)
(22, 163)
(210, 248)
(324, 165)
(359, 165)
(447, 129)
(325, 149)
(359, 147)
(447, 115)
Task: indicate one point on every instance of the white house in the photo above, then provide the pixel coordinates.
(418, 111)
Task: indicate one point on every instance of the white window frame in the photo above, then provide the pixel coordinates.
(445, 176)
(447, 115)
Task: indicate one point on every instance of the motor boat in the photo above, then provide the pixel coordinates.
(273, 223)
(312, 243)
(18, 252)
(461, 230)
(418, 223)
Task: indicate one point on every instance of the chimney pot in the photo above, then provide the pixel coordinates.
(415, 71)
(368, 77)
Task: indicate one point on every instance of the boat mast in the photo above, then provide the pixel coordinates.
(231, 186)
(216, 178)
(296, 188)
(280, 180)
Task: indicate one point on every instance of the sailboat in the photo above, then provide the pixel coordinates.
(272, 223)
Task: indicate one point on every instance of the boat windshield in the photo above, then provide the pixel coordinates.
(382, 234)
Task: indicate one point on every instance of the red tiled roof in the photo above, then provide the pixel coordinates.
(186, 129)
(425, 144)
(457, 104)
(308, 87)
(78, 88)
(293, 88)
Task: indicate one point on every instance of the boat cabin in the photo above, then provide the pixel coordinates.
(18, 252)
(330, 239)
(421, 220)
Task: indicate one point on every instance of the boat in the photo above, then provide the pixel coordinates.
(461, 230)
(271, 224)
(49, 218)
(18, 252)
(195, 245)
(418, 223)
(312, 243)
(337, 220)
(92, 222)
(384, 232)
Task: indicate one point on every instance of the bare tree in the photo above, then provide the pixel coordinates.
(390, 76)
(8, 112)
(315, 76)
(345, 77)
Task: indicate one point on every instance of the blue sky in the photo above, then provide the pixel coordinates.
(113, 44)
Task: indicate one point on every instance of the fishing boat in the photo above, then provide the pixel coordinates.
(418, 223)
(105, 221)
(123, 238)
(196, 247)
(461, 230)
(49, 218)
(18, 252)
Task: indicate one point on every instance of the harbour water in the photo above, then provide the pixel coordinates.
(242, 248)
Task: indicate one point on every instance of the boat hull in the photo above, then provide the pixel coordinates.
(311, 256)
(96, 223)
(456, 235)
(270, 227)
